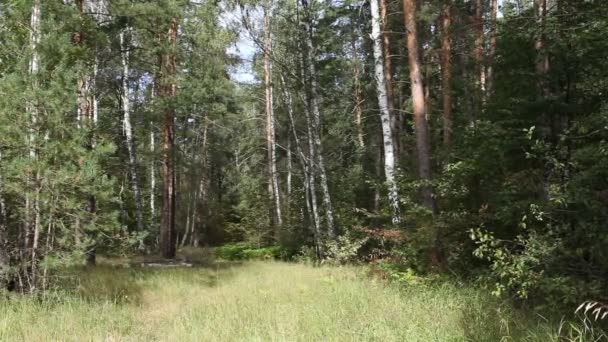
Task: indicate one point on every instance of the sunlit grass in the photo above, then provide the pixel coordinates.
(258, 301)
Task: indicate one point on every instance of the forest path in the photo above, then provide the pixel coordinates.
(252, 301)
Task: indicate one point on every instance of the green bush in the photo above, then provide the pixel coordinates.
(245, 251)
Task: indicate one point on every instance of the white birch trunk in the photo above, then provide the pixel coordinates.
(288, 169)
(309, 184)
(32, 205)
(316, 125)
(387, 136)
(130, 140)
(152, 177)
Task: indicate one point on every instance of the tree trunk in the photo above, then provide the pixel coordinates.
(130, 139)
(86, 118)
(32, 205)
(358, 95)
(385, 117)
(152, 175)
(273, 182)
(423, 143)
(309, 184)
(446, 72)
(395, 117)
(168, 92)
(542, 58)
(4, 252)
(289, 171)
(313, 106)
(492, 50)
(478, 55)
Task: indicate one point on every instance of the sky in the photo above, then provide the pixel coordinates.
(245, 47)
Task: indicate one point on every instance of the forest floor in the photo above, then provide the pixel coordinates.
(257, 301)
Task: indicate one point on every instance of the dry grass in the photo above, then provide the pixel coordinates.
(255, 301)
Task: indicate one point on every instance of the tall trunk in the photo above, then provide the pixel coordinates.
(289, 171)
(466, 89)
(542, 64)
(542, 58)
(388, 76)
(492, 50)
(86, 118)
(478, 54)
(446, 72)
(168, 91)
(4, 253)
(309, 184)
(273, 182)
(313, 106)
(32, 203)
(152, 175)
(358, 94)
(205, 181)
(385, 117)
(130, 139)
(423, 143)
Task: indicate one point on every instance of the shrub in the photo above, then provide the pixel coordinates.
(244, 251)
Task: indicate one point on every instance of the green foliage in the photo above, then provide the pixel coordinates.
(345, 249)
(244, 251)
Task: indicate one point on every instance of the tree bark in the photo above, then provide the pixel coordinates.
(446, 72)
(492, 50)
(168, 91)
(385, 117)
(358, 96)
(478, 54)
(423, 143)
(273, 182)
(4, 252)
(395, 117)
(309, 184)
(313, 106)
(86, 118)
(152, 175)
(130, 139)
(32, 205)
(542, 64)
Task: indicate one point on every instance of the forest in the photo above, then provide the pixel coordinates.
(398, 154)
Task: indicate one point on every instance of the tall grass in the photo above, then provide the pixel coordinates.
(259, 301)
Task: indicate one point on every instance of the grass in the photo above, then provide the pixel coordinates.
(258, 301)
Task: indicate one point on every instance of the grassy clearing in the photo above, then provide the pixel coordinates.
(258, 301)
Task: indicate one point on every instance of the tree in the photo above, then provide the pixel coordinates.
(167, 91)
(423, 143)
(129, 136)
(446, 72)
(388, 76)
(273, 182)
(492, 50)
(385, 116)
(312, 105)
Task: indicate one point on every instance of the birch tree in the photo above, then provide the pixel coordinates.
(385, 117)
(388, 76)
(32, 205)
(129, 137)
(313, 99)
